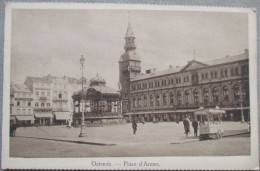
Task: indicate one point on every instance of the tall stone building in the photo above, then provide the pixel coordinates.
(175, 93)
(129, 67)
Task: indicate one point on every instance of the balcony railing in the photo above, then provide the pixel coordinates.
(60, 109)
(59, 100)
(43, 98)
(42, 108)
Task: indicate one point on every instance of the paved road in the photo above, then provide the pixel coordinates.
(149, 133)
(151, 140)
(32, 147)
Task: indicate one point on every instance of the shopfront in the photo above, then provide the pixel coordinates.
(43, 118)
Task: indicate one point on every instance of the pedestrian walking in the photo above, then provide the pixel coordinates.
(13, 130)
(69, 123)
(154, 120)
(143, 121)
(134, 125)
(177, 120)
(186, 124)
(195, 127)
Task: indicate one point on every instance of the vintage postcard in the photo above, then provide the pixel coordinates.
(113, 86)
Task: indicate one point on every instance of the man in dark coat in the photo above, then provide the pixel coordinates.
(186, 124)
(195, 127)
(134, 125)
(13, 129)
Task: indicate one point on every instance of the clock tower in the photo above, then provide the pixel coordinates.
(129, 68)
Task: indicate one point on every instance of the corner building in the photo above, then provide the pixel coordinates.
(175, 93)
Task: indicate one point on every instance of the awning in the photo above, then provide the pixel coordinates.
(25, 118)
(62, 115)
(43, 115)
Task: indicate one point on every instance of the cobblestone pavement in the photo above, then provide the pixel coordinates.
(148, 133)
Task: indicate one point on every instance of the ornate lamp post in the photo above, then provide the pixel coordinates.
(82, 130)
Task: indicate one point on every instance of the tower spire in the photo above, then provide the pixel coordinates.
(129, 32)
(129, 38)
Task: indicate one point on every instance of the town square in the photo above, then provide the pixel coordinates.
(128, 84)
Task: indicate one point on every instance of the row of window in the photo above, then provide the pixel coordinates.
(59, 94)
(42, 104)
(23, 103)
(43, 93)
(213, 74)
(23, 111)
(186, 97)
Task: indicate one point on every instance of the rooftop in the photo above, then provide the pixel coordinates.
(21, 88)
(39, 79)
(227, 59)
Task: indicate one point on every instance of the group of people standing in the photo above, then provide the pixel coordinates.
(187, 124)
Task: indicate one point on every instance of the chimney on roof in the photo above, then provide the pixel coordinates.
(170, 66)
(227, 56)
(246, 51)
(154, 70)
(177, 66)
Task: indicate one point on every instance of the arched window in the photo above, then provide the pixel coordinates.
(215, 94)
(134, 102)
(236, 92)
(225, 93)
(179, 97)
(157, 100)
(164, 99)
(187, 95)
(206, 95)
(196, 96)
(245, 91)
(171, 98)
(145, 100)
(151, 100)
(139, 101)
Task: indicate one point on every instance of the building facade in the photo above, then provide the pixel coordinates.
(175, 93)
(42, 98)
(52, 97)
(129, 68)
(21, 105)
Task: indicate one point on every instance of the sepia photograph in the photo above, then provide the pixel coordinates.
(122, 83)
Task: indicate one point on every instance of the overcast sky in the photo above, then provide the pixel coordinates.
(51, 41)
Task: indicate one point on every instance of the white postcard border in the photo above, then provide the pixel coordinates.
(229, 162)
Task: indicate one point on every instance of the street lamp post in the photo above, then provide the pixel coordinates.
(241, 104)
(82, 130)
(242, 112)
